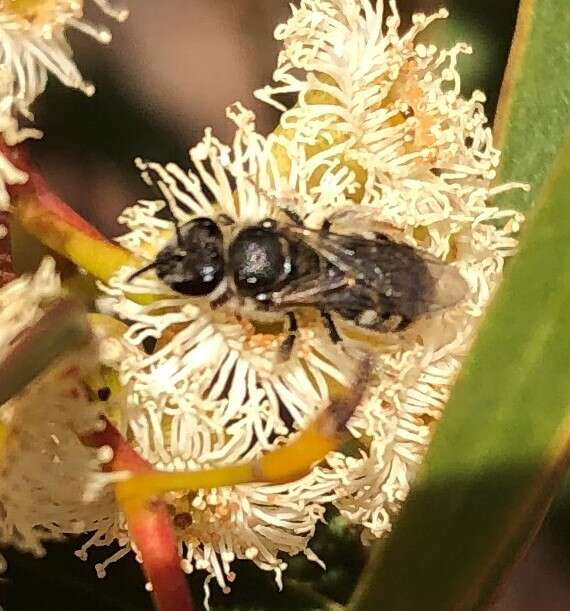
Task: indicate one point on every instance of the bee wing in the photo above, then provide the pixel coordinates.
(309, 291)
(336, 248)
(449, 286)
(390, 268)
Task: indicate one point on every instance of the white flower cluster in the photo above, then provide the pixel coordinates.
(41, 492)
(33, 44)
(12, 135)
(380, 137)
(45, 469)
(380, 140)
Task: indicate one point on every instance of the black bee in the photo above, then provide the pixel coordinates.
(372, 281)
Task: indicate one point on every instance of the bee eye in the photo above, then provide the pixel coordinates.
(195, 266)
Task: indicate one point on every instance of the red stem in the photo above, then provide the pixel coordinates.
(150, 528)
(38, 187)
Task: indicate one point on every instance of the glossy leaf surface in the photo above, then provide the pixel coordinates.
(503, 445)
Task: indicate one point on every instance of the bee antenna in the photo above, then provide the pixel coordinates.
(159, 188)
(178, 232)
(140, 271)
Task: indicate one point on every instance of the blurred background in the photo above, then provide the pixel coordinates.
(170, 72)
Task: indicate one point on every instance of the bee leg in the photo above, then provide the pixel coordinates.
(225, 219)
(218, 302)
(293, 216)
(287, 345)
(331, 327)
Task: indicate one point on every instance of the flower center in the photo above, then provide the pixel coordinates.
(43, 12)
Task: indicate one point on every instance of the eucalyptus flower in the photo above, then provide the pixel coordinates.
(45, 468)
(392, 108)
(380, 140)
(214, 390)
(12, 135)
(33, 43)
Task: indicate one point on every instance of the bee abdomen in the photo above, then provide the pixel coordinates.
(371, 310)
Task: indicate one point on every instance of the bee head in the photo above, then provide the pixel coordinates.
(194, 263)
(259, 258)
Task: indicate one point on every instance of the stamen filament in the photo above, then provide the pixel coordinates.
(282, 465)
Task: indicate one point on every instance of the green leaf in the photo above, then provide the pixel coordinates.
(503, 445)
(61, 329)
(534, 104)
